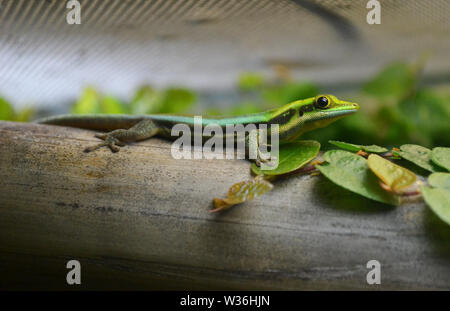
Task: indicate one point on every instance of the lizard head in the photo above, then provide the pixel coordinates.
(322, 110)
(330, 107)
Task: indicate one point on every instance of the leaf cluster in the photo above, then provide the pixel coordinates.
(8, 113)
(146, 100)
(372, 171)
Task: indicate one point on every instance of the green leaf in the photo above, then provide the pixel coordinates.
(438, 199)
(245, 108)
(242, 192)
(356, 148)
(333, 156)
(6, 110)
(440, 180)
(352, 173)
(89, 102)
(441, 156)
(396, 79)
(110, 104)
(177, 100)
(250, 81)
(292, 156)
(213, 111)
(418, 155)
(146, 100)
(289, 92)
(426, 115)
(392, 175)
(24, 115)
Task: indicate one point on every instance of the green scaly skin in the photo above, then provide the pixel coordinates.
(293, 119)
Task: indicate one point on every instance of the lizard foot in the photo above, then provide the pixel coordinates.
(109, 141)
(269, 162)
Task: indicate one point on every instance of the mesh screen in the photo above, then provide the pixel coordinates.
(205, 44)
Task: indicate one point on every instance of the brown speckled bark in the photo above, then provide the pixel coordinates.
(138, 219)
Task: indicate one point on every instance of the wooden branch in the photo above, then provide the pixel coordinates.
(138, 219)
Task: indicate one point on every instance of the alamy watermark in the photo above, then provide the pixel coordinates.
(374, 275)
(374, 15)
(73, 277)
(74, 15)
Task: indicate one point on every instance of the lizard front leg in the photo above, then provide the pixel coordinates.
(117, 138)
(253, 144)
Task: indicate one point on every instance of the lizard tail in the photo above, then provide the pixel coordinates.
(99, 122)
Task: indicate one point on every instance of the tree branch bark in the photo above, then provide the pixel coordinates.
(138, 219)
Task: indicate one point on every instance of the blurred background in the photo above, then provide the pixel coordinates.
(233, 57)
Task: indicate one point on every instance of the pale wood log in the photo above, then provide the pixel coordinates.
(138, 219)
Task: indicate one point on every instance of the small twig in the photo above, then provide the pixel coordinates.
(362, 153)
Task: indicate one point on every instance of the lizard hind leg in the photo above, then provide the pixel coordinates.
(117, 138)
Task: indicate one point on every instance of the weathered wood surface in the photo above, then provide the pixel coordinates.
(139, 219)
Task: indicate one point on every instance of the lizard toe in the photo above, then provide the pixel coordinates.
(101, 136)
(109, 141)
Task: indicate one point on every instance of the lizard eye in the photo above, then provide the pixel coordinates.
(322, 102)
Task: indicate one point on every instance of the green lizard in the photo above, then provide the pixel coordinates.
(293, 119)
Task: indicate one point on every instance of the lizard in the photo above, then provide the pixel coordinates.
(293, 120)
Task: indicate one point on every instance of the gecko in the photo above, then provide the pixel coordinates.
(293, 120)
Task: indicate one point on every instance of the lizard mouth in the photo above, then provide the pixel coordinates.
(339, 113)
(350, 111)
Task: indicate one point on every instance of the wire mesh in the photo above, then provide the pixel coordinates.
(205, 44)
